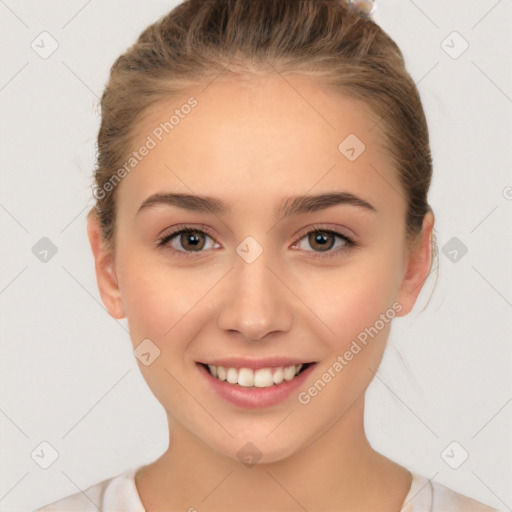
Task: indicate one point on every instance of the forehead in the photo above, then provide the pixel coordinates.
(262, 137)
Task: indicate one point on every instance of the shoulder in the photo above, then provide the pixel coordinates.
(113, 494)
(445, 498)
(85, 501)
(428, 496)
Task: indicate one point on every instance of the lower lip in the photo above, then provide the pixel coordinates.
(253, 398)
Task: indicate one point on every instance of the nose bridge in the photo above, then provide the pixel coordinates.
(256, 302)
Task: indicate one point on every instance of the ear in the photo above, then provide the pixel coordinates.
(104, 264)
(417, 268)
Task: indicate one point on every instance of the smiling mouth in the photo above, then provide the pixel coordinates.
(256, 378)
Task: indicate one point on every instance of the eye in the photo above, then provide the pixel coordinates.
(324, 240)
(187, 241)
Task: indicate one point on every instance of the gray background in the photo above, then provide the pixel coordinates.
(68, 375)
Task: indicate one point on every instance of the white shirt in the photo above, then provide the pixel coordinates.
(119, 493)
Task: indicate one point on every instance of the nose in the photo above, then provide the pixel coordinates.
(255, 301)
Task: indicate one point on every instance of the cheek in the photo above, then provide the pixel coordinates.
(353, 299)
(358, 307)
(156, 299)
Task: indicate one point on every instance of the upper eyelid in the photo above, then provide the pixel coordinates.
(183, 227)
(318, 227)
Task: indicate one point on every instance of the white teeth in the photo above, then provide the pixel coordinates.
(232, 375)
(289, 372)
(278, 376)
(261, 378)
(246, 377)
(221, 372)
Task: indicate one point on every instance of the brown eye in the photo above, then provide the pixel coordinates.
(321, 240)
(187, 241)
(325, 243)
(193, 240)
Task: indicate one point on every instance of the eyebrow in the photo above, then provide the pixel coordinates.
(290, 206)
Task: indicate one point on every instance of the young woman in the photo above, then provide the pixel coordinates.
(261, 217)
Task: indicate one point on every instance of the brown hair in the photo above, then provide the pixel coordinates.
(325, 39)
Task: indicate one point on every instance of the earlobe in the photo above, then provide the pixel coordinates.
(419, 262)
(104, 265)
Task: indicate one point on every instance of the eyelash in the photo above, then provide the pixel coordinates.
(164, 240)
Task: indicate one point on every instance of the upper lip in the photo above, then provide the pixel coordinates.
(243, 362)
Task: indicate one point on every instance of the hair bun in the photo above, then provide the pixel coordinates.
(364, 8)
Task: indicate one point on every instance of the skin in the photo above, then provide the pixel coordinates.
(252, 143)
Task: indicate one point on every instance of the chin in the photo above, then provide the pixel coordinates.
(255, 449)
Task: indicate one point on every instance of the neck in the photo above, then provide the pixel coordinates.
(339, 465)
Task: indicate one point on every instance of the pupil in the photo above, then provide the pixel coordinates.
(191, 239)
(321, 239)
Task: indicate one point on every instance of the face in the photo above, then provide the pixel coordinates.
(290, 300)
